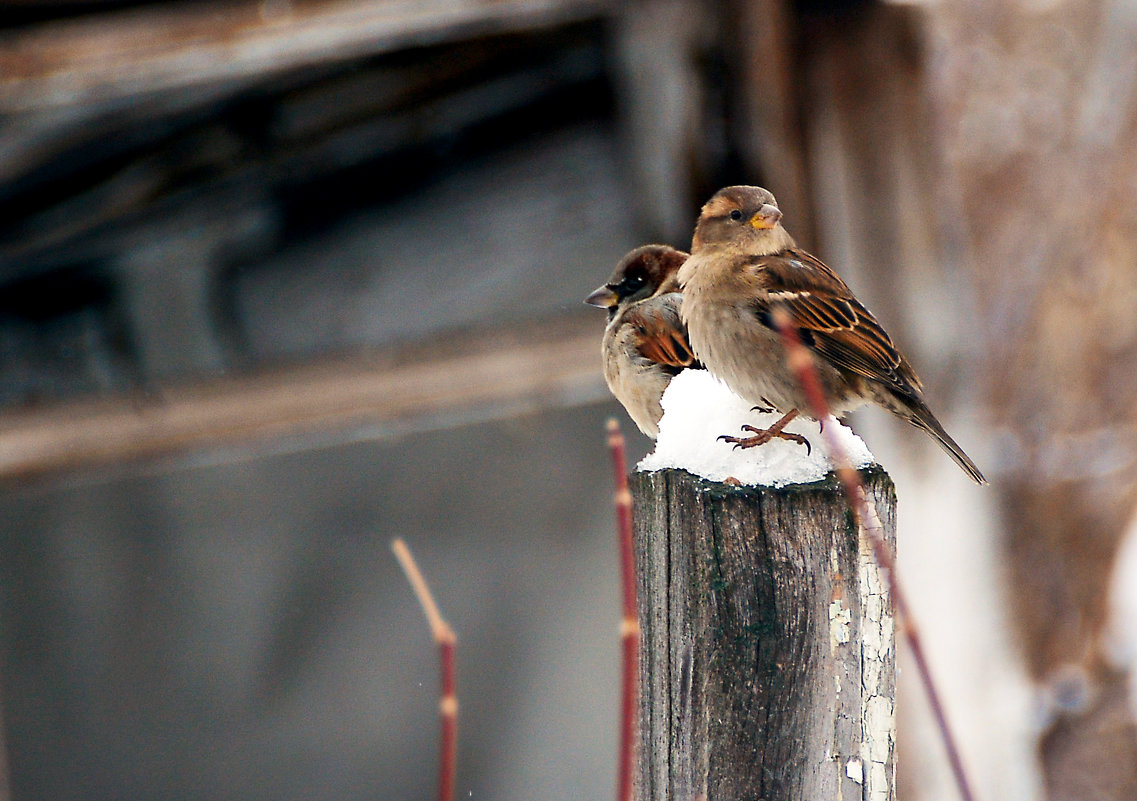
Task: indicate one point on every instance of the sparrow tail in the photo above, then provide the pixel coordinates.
(923, 419)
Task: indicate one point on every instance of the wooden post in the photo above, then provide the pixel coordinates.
(767, 660)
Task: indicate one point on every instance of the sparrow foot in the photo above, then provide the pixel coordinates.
(764, 435)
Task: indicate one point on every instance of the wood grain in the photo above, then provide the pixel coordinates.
(767, 661)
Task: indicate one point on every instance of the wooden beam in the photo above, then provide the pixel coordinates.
(159, 48)
(474, 376)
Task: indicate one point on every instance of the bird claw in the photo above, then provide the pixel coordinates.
(764, 435)
(738, 442)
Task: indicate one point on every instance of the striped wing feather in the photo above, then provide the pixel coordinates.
(830, 320)
(660, 333)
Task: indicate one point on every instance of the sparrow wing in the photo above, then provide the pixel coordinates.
(830, 320)
(659, 332)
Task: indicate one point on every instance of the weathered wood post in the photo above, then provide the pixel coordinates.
(767, 659)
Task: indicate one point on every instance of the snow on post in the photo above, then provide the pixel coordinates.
(766, 662)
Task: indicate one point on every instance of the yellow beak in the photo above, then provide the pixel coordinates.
(766, 217)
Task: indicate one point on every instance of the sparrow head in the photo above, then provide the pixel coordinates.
(645, 271)
(746, 217)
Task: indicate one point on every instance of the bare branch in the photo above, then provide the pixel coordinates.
(447, 642)
(801, 363)
(630, 626)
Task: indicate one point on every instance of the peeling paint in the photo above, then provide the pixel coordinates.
(878, 719)
(877, 711)
(840, 621)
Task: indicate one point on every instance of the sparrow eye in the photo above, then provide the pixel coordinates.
(735, 215)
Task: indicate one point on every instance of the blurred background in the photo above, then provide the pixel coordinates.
(282, 280)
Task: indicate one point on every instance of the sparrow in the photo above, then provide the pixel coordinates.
(743, 264)
(645, 341)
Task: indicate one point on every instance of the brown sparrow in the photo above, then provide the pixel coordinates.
(645, 342)
(742, 264)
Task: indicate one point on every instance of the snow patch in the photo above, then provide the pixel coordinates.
(698, 408)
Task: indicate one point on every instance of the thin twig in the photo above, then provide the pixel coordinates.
(447, 643)
(630, 626)
(801, 363)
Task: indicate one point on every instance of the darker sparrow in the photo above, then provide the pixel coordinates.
(645, 342)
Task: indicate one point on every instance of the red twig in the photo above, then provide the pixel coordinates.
(447, 642)
(630, 626)
(801, 363)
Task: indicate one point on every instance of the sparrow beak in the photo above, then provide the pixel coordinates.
(603, 298)
(766, 217)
